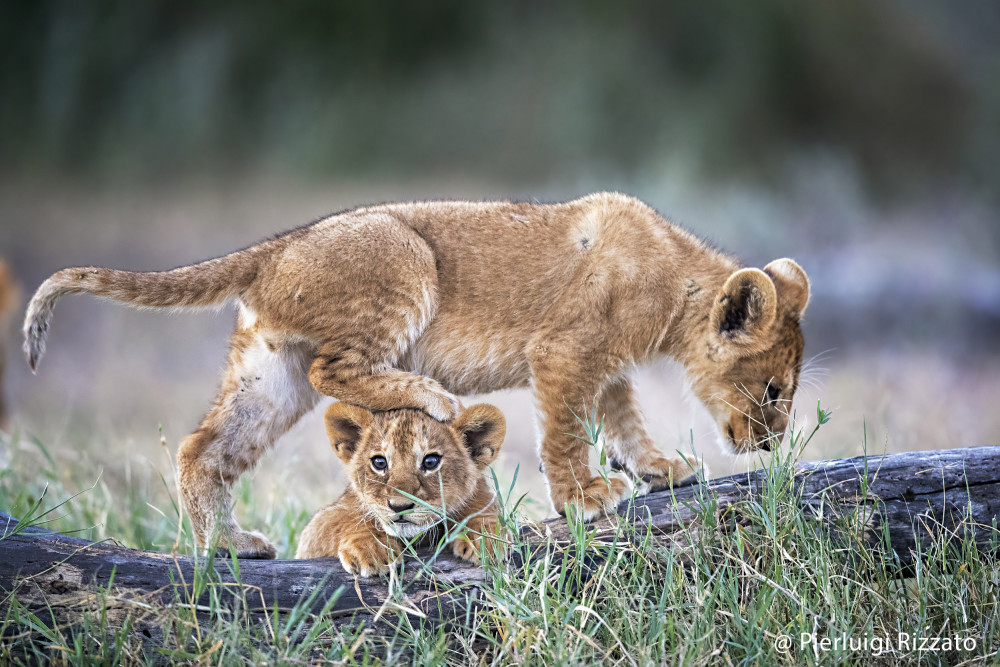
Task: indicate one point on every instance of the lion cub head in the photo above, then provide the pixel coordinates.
(747, 366)
(407, 451)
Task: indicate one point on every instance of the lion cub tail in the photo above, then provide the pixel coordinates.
(208, 283)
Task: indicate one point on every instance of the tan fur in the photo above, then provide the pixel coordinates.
(364, 526)
(9, 298)
(405, 305)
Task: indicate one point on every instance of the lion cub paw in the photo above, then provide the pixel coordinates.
(248, 544)
(467, 548)
(595, 498)
(663, 472)
(366, 556)
(464, 548)
(441, 405)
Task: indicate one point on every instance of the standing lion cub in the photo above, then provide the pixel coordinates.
(406, 451)
(406, 305)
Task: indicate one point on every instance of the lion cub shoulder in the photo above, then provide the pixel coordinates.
(393, 458)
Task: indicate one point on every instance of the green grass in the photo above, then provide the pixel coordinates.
(725, 598)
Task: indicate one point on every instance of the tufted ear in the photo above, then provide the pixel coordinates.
(791, 282)
(745, 308)
(344, 425)
(482, 428)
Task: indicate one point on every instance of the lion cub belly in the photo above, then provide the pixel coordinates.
(468, 362)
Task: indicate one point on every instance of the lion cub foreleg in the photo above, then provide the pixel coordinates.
(630, 446)
(482, 527)
(568, 381)
(344, 530)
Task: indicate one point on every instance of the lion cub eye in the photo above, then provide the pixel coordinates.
(773, 392)
(379, 463)
(430, 462)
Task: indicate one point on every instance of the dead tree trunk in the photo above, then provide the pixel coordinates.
(907, 495)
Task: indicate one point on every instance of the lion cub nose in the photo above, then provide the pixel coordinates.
(401, 507)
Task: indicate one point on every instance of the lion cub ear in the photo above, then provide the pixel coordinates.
(745, 308)
(791, 282)
(344, 425)
(482, 428)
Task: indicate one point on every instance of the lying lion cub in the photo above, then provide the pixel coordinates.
(408, 451)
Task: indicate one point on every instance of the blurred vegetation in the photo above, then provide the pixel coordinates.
(515, 91)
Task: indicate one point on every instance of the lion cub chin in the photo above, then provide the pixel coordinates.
(392, 457)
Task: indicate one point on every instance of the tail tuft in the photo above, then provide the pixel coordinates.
(34, 343)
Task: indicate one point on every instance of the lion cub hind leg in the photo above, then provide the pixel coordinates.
(263, 393)
(376, 284)
(355, 364)
(629, 445)
(339, 371)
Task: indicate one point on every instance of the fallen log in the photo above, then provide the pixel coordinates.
(906, 496)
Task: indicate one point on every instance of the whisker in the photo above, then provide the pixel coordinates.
(746, 392)
(821, 356)
(813, 363)
(741, 412)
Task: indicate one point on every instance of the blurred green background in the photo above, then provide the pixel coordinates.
(906, 92)
(860, 137)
